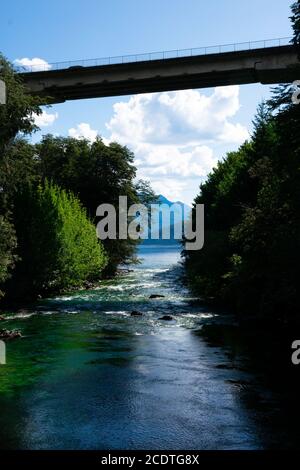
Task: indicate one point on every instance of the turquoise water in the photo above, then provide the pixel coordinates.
(88, 375)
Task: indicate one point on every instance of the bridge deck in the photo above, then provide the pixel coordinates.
(264, 65)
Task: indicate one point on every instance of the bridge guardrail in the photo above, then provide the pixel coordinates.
(158, 55)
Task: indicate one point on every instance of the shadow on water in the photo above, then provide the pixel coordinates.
(269, 388)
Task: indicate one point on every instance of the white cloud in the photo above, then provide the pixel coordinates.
(45, 119)
(181, 118)
(83, 131)
(170, 188)
(35, 65)
(168, 160)
(174, 135)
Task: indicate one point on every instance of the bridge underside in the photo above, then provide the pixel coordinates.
(267, 66)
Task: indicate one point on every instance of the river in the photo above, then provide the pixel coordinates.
(88, 375)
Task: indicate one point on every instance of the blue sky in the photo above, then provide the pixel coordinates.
(178, 154)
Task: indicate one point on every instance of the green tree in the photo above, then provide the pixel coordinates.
(251, 255)
(282, 94)
(295, 19)
(57, 244)
(16, 116)
(8, 244)
(97, 174)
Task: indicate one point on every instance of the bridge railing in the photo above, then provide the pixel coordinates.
(159, 55)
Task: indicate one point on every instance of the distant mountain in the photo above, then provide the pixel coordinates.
(163, 200)
(167, 221)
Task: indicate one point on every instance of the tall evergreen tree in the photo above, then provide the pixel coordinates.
(295, 19)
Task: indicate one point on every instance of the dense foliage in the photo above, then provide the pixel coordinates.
(57, 244)
(96, 173)
(7, 250)
(251, 257)
(49, 193)
(17, 115)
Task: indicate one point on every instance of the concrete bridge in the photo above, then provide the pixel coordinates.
(146, 73)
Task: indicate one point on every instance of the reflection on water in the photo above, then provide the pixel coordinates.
(88, 375)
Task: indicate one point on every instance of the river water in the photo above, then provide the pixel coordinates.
(88, 375)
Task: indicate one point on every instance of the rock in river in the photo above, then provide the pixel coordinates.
(156, 296)
(166, 318)
(6, 334)
(136, 313)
